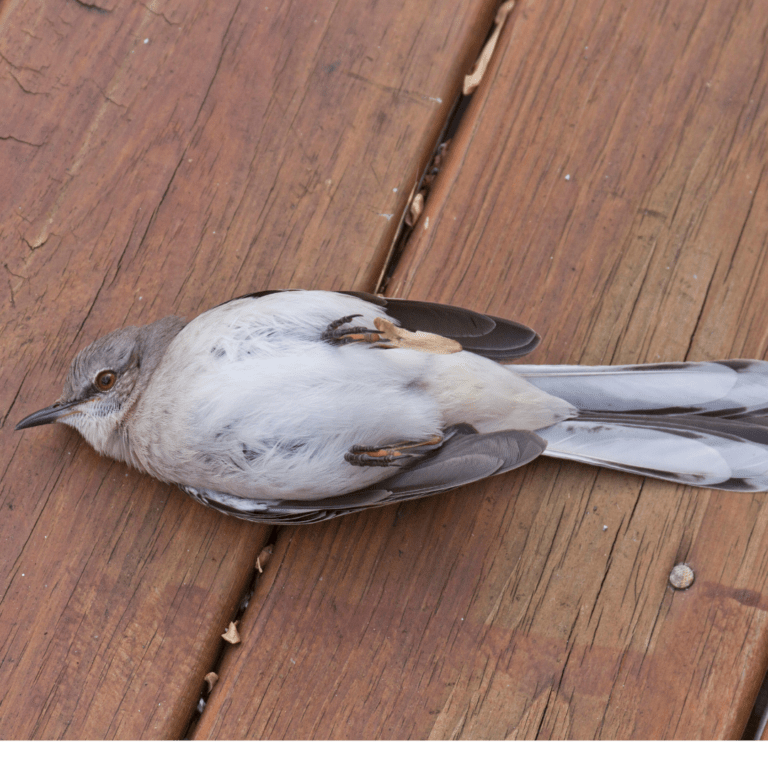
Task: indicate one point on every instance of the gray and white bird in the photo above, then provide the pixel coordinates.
(297, 406)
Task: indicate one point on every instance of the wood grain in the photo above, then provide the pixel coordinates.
(606, 186)
(160, 158)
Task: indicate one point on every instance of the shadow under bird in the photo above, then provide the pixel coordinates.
(298, 406)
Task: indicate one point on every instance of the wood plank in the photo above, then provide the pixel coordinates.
(160, 158)
(607, 186)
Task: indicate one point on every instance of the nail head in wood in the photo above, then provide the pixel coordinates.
(681, 576)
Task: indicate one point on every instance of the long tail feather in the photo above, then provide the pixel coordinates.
(701, 424)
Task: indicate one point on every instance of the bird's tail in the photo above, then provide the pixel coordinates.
(703, 424)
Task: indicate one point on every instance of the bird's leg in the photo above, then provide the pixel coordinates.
(396, 454)
(421, 341)
(387, 336)
(335, 334)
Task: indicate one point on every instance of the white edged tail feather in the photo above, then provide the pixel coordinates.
(701, 424)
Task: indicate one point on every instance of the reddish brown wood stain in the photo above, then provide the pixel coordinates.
(606, 186)
(162, 158)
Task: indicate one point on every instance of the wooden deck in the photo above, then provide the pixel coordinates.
(606, 185)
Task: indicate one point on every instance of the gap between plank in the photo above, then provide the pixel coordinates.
(397, 246)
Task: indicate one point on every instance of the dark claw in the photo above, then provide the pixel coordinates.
(397, 454)
(364, 460)
(363, 448)
(335, 334)
(338, 323)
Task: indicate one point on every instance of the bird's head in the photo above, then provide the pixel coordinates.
(105, 380)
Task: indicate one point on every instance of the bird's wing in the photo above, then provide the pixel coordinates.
(485, 335)
(463, 458)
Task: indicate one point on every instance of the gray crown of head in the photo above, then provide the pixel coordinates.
(104, 380)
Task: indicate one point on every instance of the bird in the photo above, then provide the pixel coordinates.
(297, 406)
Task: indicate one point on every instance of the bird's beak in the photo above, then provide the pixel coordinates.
(48, 415)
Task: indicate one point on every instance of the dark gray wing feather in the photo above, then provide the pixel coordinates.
(485, 335)
(463, 458)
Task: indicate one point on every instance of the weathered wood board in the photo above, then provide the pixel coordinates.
(607, 187)
(160, 158)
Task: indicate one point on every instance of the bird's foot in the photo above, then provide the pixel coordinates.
(335, 334)
(388, 336)
(396, 454)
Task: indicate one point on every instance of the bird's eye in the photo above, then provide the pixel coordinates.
(105, 380)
